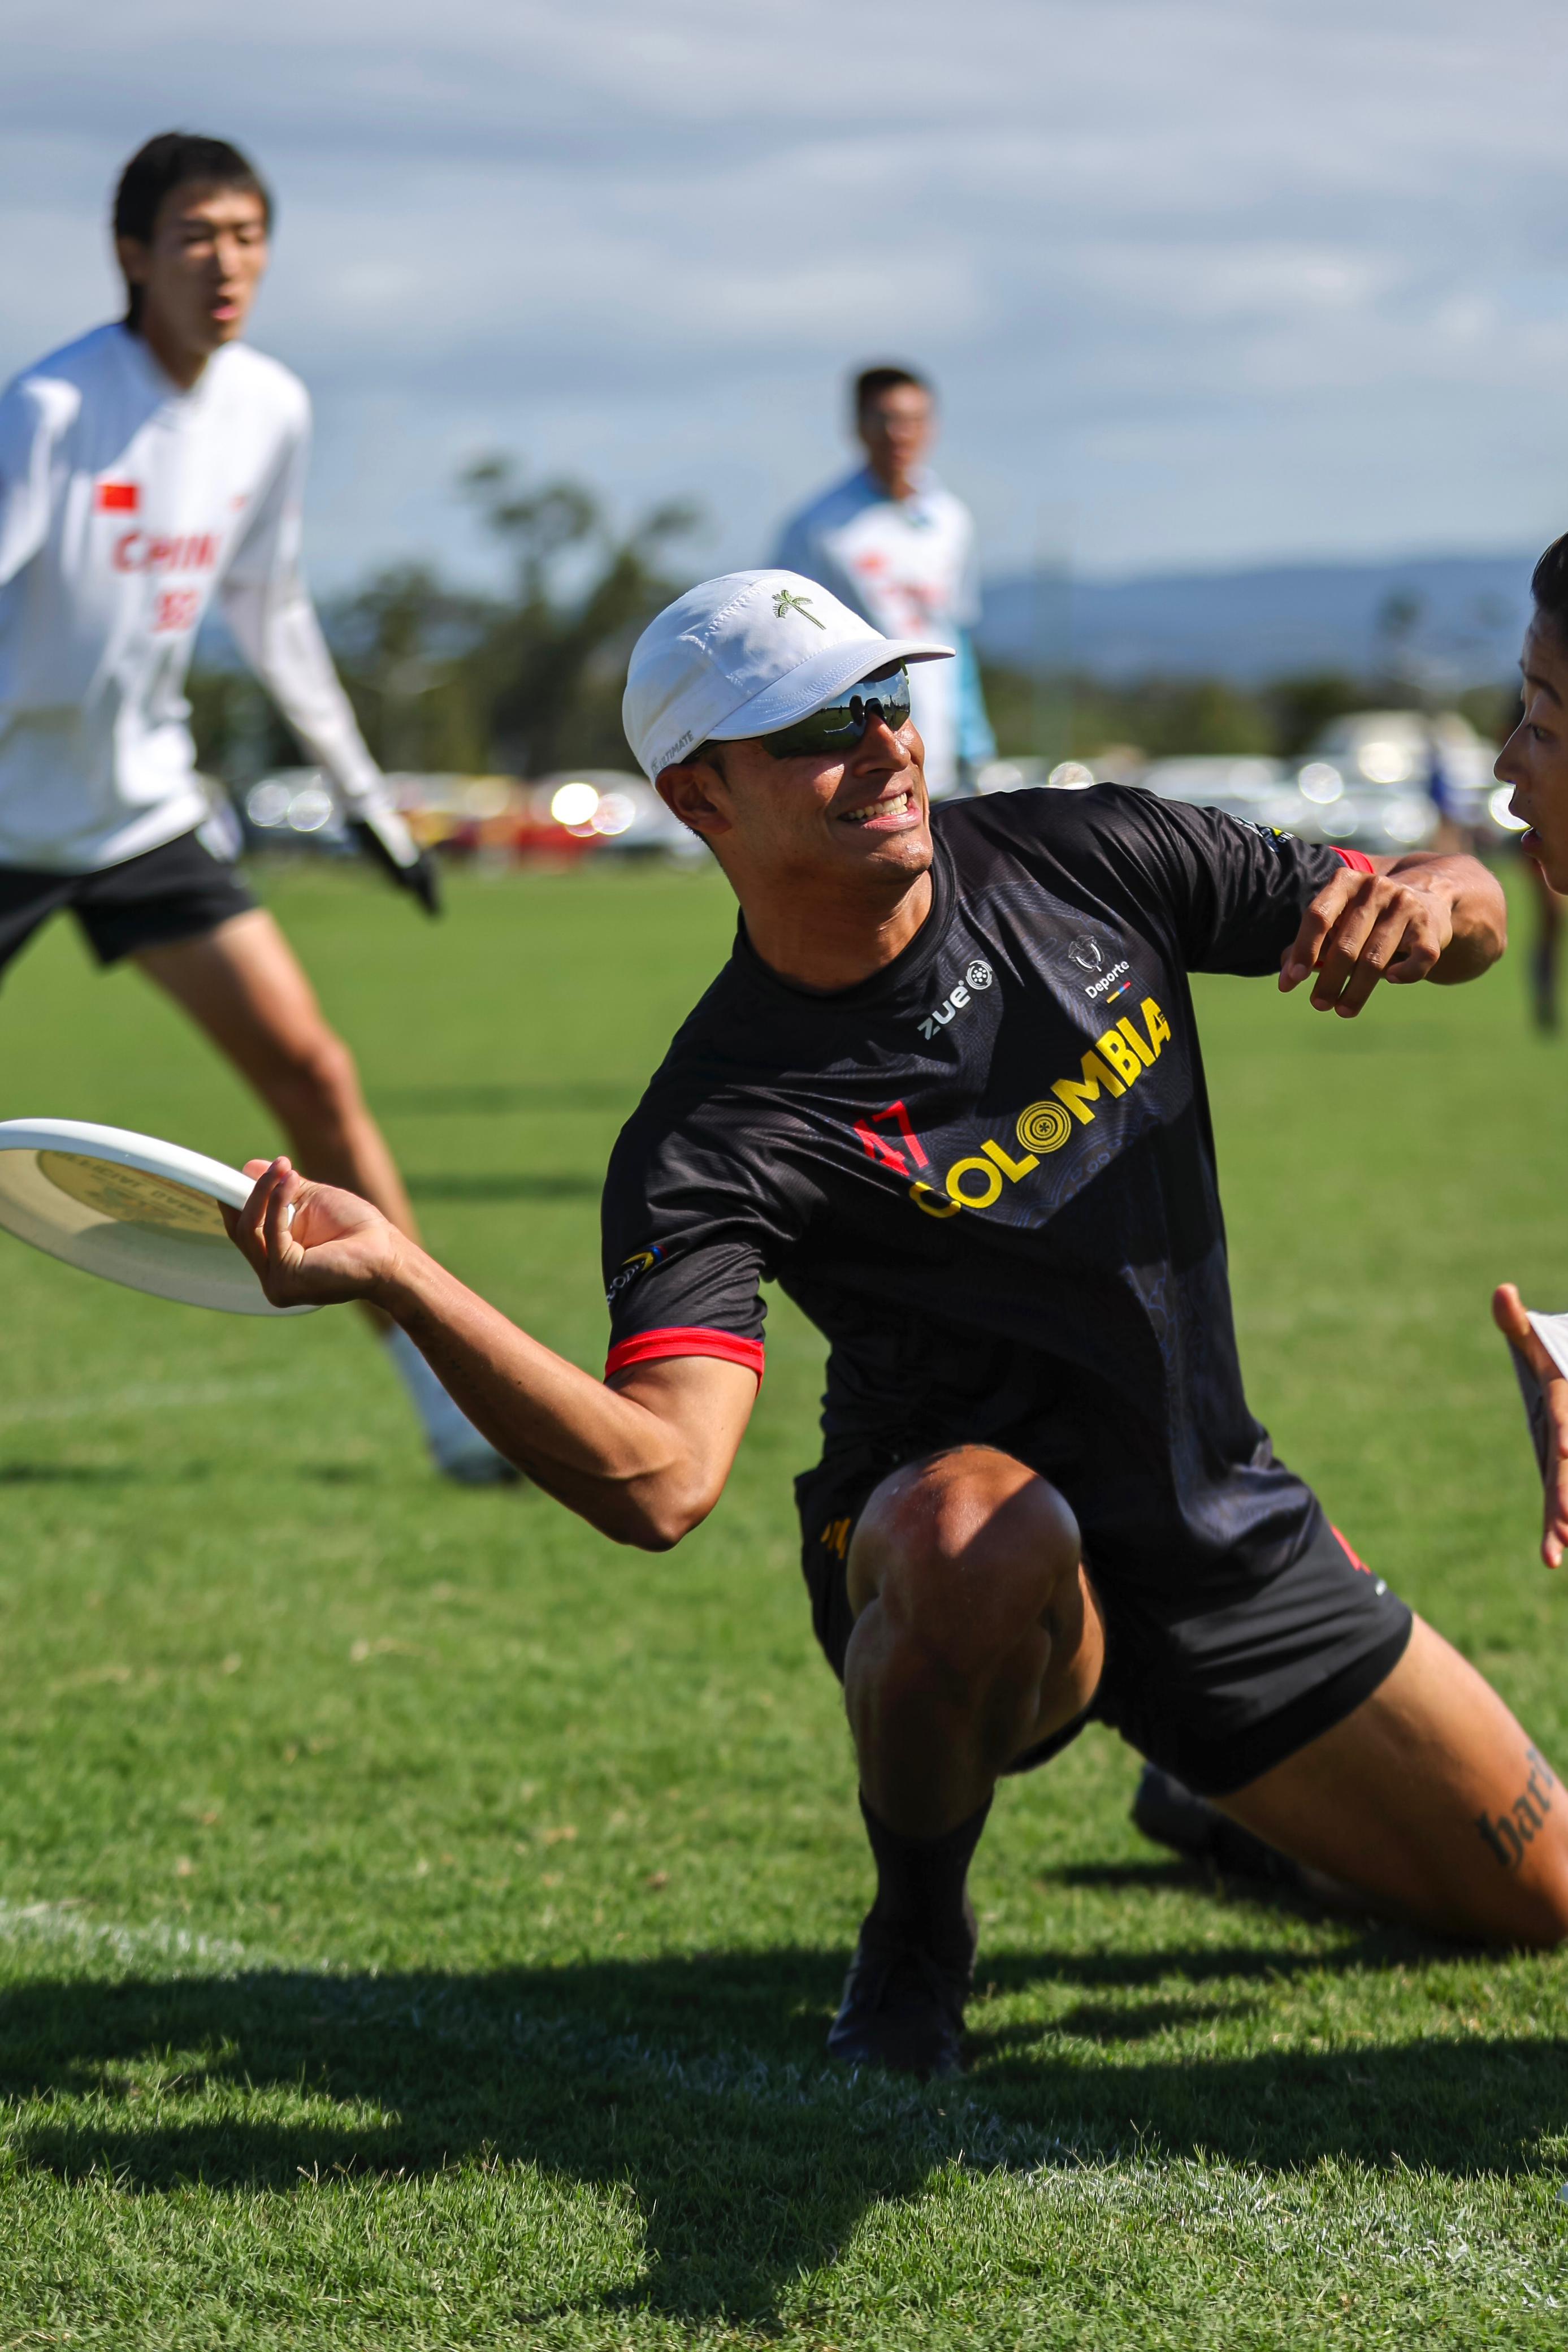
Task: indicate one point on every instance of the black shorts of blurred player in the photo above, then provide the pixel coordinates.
(185, 917)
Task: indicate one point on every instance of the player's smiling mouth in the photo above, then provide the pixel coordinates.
(893, 804)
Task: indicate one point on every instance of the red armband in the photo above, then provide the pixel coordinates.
(655, 1347)
(1356, 860)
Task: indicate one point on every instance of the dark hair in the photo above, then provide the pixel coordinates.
(1549, 586)
(174, 159)
(872, 381)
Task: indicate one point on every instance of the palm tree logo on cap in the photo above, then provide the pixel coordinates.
(786, 601)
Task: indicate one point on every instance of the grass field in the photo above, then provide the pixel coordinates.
(420, 1920)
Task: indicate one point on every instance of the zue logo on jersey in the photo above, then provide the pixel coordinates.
(978, 977)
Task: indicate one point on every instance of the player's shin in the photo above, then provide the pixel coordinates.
(922, 1889)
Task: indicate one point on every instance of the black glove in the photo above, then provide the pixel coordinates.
(383, 836)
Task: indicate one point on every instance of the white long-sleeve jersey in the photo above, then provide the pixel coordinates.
(907, 566)
(124, 504)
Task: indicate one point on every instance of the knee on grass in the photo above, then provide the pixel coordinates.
(969, 1553)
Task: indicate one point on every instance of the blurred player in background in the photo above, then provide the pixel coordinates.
(899, 550)
(143, 467)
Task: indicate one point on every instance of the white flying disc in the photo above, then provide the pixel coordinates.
(1551, 1330)
(131, 1209)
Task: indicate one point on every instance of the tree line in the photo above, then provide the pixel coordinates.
(524, 682)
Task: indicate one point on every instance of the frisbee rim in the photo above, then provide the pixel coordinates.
(127, 1148)
(147, 1155)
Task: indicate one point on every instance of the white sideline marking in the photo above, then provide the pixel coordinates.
(60, 1923)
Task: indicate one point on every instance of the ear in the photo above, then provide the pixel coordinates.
(689, 792)
(135, 260)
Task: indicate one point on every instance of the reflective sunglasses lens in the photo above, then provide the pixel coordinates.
(839, 724)
(887, 696)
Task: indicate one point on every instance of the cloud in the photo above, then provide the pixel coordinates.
(1233, 278)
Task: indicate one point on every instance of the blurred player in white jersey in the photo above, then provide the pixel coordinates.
(899, 550)
(142, 468)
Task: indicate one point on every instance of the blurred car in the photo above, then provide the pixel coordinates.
(1242, 787)
(1379, 780)
(613, 810)
(1258, 790)
(565, 816)
(1025, 773)
(1316, 800)
(1017, 775)
(1437, 756)
(295, 809)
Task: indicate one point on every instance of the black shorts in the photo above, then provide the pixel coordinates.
(177, 892)
(1249, 1666)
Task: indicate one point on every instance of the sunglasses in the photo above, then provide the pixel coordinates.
(839, 725)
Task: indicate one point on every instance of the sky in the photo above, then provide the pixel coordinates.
(1202, 282)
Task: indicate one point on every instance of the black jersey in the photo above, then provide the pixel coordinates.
(986, 1174)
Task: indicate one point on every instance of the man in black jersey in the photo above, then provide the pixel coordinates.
(947, 1093)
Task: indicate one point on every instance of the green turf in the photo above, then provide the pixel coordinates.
(419, 1920)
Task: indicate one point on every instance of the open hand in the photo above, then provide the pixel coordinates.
(1363, 927)
(311, 1244)
(1507, 1312)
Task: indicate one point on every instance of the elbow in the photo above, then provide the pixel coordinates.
(649, 1535)
(659, 1520)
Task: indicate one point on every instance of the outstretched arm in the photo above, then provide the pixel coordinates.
(645, 1458)
(1422, 916)
(26, 448)
(268, 608)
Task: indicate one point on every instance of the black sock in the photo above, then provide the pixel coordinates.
(920, 1887)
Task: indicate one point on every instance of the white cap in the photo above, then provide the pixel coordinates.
(747, 655)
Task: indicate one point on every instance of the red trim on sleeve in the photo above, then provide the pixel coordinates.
(1356, 860)
(1349, 1550)
(653, 1346)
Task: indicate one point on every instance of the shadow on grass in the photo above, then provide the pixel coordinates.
(700, 2084)
(67, 1473)
(1145, 1877)
(563, 1185)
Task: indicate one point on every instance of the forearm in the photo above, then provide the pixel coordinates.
(276, 629)
(27, 447)
(607, 1457)
(1478, 909)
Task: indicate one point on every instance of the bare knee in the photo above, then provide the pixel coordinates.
(313, 1078)
(967, 1552)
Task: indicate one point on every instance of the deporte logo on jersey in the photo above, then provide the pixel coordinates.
(1115, 1062)
(978, 976)
(1089, 957)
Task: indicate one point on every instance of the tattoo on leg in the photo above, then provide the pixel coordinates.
(1508, 1835)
